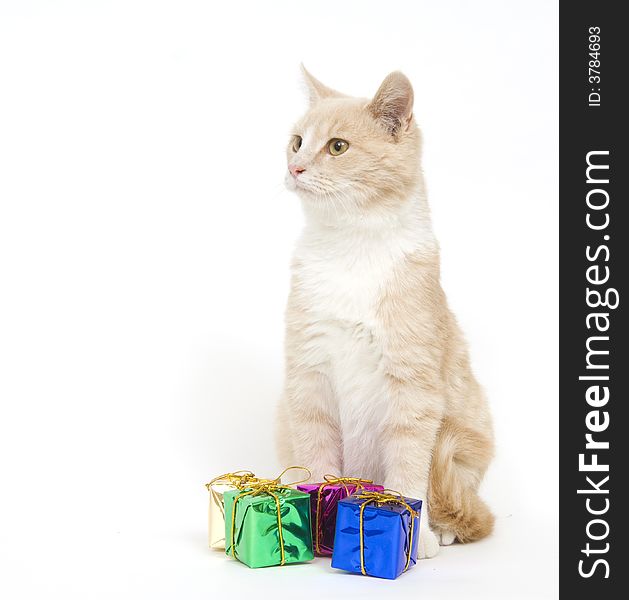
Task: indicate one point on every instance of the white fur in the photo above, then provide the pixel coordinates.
(447, 538)
(342, 271)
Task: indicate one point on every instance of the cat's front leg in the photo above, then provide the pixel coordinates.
(409, 436)
(313, 422)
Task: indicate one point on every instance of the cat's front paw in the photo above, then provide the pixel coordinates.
(428, 545)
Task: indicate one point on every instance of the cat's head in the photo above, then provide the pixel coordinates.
(348, 156)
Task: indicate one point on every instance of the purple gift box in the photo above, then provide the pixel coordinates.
(324, 499)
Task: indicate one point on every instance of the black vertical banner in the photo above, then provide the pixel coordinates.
(594, 258)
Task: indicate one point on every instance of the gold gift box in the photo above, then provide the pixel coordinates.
(216, 511)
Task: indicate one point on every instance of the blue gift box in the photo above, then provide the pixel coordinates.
(386, 533)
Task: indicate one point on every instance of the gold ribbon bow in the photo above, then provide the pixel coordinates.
(385, 497)
(257, 487)
(239, 479)
(330, 480)
(236, 478)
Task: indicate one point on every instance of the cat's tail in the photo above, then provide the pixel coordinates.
(459, 462)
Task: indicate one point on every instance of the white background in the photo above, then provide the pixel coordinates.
(145, 238)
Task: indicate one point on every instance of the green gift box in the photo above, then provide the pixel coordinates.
(268, 526)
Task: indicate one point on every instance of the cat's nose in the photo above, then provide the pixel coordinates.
(295, 170)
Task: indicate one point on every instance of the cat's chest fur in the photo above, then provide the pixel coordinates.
(342, 277)
(343, 272)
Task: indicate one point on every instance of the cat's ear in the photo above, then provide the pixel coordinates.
(392, 105)
(316, 90)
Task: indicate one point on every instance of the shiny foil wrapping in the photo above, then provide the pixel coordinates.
(216, 514)
(385, 535)
(256, 536)
(330, 497)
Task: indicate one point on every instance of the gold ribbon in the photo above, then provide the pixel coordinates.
(266, 486)
(330, 480)
(385, 497)
(235, 478)
(238, 479)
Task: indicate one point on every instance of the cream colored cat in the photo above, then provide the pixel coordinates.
(378, 381)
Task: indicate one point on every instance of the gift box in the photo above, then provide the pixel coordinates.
(268, 525)
(324, 498)
(376, 534)
(216, 511)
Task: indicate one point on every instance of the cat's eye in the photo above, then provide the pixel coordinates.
(296, 143)
(336, 146)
